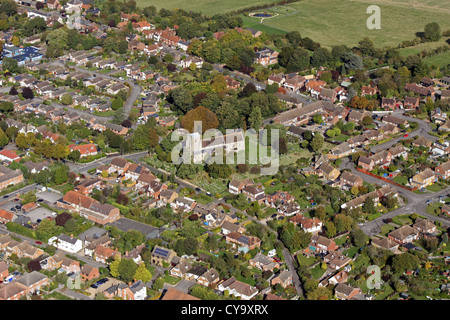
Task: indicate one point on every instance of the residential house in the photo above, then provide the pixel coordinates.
(103, 253)
(85, 150)
(395, 121)
(89, 273)
(238, 288)
(424, 178)
(349, 180)
(235, 186)
(385, 243)
(344, 291)
(284, 278)
(404, 234)
(263, 262)
(336, 260)
(242, 241)
(266, 56)
(209, 278)
(340, 277)
(443, 170)
(322, 244)
(388, 103)
(3, 270)
(6, 216)
(66, 243)
(411, 103)
(162, 256)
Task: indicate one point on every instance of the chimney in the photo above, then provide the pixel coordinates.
(71, 236)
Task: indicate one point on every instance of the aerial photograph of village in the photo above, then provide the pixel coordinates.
(232, 151)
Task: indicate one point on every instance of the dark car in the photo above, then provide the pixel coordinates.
(198, 189)
(5, 196)
(95, 286)
(18, 207)
(40, 200)
(38, 220)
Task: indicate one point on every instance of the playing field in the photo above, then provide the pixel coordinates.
(208, 7)
(332, 22)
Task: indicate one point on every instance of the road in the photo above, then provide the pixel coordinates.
(422, 131)
(416, 203)
(136, 90)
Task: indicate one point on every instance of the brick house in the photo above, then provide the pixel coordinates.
(344, 291)
(240, 240)
(3, 270)
(402, 235)
(284, 278)
(33, 281)
(321, 244)
(263, 262)
(443, 170)
(6, 216)
(89, 273)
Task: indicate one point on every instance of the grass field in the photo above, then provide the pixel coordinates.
(206, 7)
(344, 22)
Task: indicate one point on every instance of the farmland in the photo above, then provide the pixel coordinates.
(348, 25)
(206, 7)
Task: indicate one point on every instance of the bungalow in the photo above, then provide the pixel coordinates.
(422, 142)
(336, 260)
(183, 204)
(344, 291)
(238, 288)
(385, 243)
(404, 234)
(395, 121)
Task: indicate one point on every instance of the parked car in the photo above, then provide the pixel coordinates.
(406, 135)
(38, 242)
(198, 189)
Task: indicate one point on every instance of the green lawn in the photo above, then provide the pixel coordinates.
(329, 23)
(304, 261)
(401, 179)
(435, 187)
(317, 272)
(439, 60)
(351, 252)
(204, 6)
